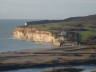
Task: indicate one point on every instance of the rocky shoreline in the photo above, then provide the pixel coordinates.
(46, 58)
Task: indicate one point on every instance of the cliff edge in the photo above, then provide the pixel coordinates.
(33, 34)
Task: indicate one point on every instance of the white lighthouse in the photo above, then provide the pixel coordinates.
(25, 24)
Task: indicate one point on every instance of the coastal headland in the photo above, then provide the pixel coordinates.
(49, 31)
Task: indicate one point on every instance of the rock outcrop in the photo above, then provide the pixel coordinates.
(33, 34)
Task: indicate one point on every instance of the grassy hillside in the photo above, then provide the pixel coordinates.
(86, 25)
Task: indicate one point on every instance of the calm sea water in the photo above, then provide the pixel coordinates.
(7, 43)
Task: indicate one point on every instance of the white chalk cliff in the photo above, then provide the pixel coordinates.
(33, 34)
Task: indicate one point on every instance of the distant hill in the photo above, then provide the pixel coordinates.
(86, 25)
(83, 18)
(90, 18)
(44, 21)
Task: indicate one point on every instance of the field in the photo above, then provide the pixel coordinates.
(86, 26)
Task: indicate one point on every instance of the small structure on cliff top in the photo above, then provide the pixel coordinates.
(25, 24)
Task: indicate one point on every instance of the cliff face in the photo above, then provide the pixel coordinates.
(33, 34)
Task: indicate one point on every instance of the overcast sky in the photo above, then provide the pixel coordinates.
(46, 9)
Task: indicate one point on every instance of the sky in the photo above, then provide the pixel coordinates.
(46, 9)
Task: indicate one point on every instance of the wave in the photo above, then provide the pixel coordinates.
(10, 38)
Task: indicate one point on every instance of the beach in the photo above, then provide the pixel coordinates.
(36, 58)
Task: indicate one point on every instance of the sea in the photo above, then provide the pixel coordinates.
(8, 43)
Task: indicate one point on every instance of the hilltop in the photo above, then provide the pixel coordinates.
(85, 25)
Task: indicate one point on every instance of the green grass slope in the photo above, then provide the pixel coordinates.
(86, 25)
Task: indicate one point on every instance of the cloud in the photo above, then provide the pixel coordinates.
(87, 1)
(46, 8)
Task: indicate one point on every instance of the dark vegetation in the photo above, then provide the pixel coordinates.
(86, 25)
(45, 21)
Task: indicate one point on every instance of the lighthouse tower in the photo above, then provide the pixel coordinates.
(25, 24)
